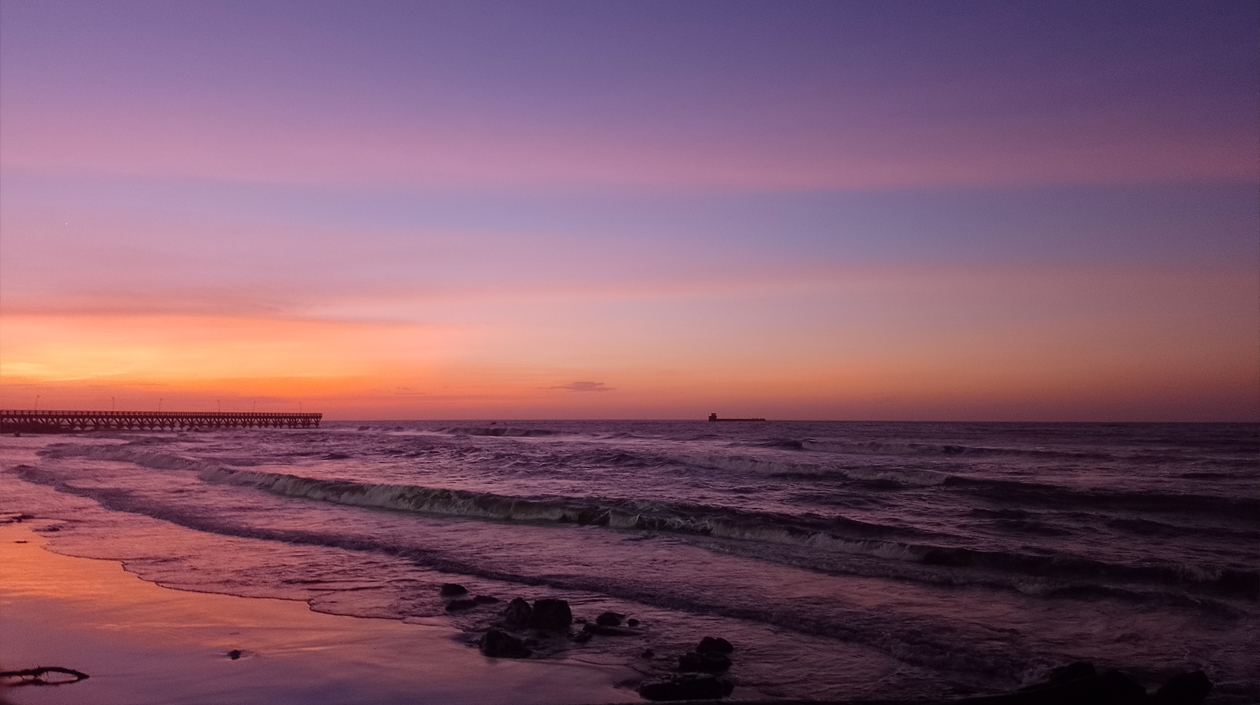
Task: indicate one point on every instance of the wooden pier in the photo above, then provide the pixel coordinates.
(30, 421)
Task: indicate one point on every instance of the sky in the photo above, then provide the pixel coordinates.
(904, 210)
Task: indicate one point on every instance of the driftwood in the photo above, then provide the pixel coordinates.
(35, 676)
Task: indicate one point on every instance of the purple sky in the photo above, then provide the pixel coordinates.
(808, 210)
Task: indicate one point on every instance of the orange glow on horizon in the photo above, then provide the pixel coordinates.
(930, 346)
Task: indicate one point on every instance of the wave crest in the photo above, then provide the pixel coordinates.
(835, 535)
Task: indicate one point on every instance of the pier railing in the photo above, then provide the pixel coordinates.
(32, 421)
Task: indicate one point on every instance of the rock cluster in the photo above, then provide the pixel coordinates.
(463, 603)
(609, 619)
(687, 687)
(601, 630)
(497, 644)
(1183, 689)
(714, 645)
(708, 662)
(700, 674)
(517, 614)
(1080, 684)
(547, 618)
(552, 615)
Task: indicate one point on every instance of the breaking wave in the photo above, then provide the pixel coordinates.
(933, 450)
(135, 453)
(507, 431)
(1010, 492)
(780, 469)
(836, 535)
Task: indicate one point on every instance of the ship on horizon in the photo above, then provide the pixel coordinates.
(714, 417)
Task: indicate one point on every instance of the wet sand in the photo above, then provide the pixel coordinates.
(144, 644)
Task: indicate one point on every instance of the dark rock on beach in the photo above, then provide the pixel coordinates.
(707, 662)
(485, 599)
(1183, 689)
(582, 637)
(554, 615)
(1070, 672)
(452, 589)
(632, 623)
(609, 619)
(517, 613)
(687, 687)
(1063, 674)
(460, 605)
(1110, 688)
(496, 644)
(600, 630)
(712, 644)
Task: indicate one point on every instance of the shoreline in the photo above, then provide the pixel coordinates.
(141, 643)
(144, 644)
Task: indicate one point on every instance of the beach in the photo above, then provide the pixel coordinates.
(844, 562)
(141, 643)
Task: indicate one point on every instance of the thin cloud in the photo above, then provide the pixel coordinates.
(585, 387)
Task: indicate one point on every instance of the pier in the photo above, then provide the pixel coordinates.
(31, 421)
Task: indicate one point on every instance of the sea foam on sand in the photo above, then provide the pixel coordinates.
(141, 643)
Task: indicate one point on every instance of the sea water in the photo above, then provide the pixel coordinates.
(843, 560)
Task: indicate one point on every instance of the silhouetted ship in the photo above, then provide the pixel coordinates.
(714, 417)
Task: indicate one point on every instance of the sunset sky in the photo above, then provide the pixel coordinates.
(651, 209)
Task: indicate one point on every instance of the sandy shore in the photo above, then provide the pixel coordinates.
(142, 644)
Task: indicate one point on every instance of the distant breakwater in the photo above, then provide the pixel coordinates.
(35, 421)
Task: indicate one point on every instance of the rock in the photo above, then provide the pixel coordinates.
(1184, 689)
(517, 613)
(459, 605)
(234, 654)
(582, 637)
(1110, 688)
(452, 589)
(609, 619)
(1070, 672)
(708, 662)
(711, 644)
(496, 644)
(632, 623)
(608, 631)
(1064, 674)
(647, 653)
(485, 599)
(688, 687)
(550, 614)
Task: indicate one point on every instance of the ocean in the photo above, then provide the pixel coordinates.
(843, 560)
